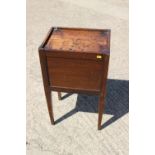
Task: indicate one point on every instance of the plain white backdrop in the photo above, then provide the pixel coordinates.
(13, 77)
(142, 77)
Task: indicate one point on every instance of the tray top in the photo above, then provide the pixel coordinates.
(78, 40)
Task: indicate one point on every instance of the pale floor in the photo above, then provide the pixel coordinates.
(76, 133)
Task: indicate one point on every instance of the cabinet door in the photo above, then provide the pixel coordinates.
(75, 73)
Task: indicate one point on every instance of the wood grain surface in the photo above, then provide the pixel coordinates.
(79, 40)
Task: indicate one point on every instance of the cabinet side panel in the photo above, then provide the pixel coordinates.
(74, 73)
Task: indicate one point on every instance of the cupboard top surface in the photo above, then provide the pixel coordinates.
(78, 40)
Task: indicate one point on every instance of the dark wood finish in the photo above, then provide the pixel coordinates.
(103, 91)
(59, 95)
(43, 63)
(75, 60)
(74, 73)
